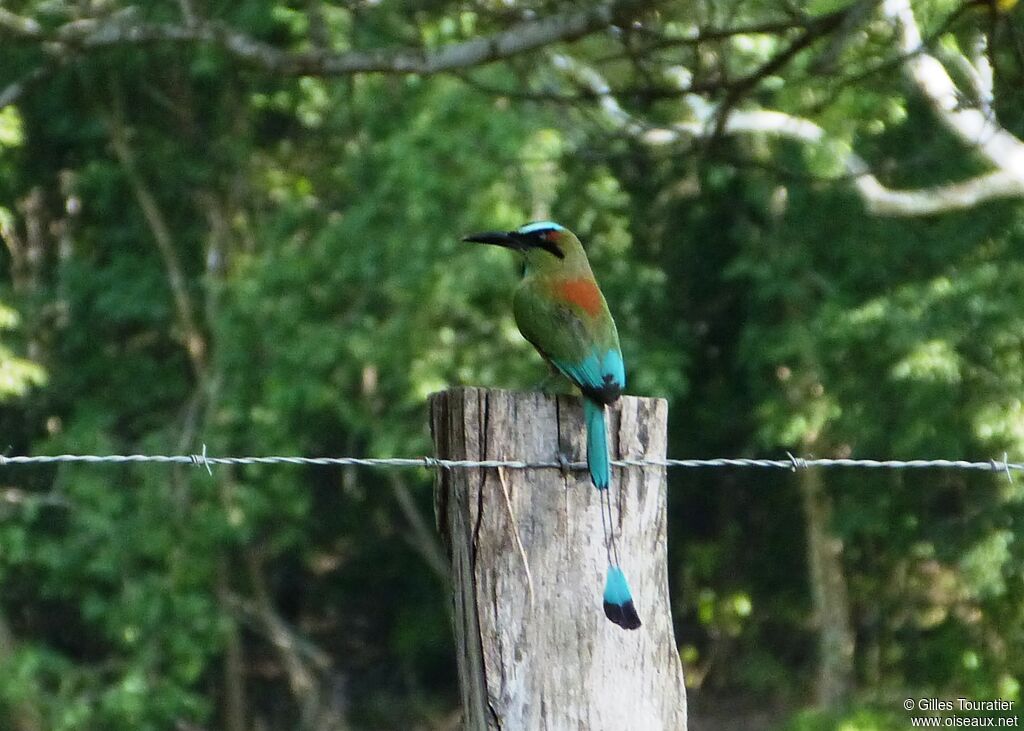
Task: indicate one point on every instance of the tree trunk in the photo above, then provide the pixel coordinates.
(828, 594)
(23, 713)
(535, 650)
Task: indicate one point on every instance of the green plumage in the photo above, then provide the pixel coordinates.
(561, 311)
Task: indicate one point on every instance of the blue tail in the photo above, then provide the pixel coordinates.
(618, 601)
(597, 444)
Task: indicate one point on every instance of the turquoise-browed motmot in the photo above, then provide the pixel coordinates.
(561, 311)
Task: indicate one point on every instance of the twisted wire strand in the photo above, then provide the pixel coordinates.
(790, 463)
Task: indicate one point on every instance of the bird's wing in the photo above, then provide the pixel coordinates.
(583, 348)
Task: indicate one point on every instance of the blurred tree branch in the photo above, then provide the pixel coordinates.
(18, 26)
(125, 28)
(740, 88)
(19, 87)
(422, 538)
(308, 667)
(977, 129)
(194, 340)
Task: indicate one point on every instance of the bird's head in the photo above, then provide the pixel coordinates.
(545, 244)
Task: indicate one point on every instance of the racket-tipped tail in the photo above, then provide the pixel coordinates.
(618, 600)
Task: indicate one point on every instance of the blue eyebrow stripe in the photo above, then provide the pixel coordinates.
(540, 226)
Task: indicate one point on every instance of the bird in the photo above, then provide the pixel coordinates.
(561, 311)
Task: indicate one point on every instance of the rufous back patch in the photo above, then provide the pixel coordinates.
(581, 292)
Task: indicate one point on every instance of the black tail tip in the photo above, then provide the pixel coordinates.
(623, 615)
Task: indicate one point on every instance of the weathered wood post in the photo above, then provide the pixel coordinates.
(535, 651)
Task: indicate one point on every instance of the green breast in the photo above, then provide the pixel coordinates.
(562, 330)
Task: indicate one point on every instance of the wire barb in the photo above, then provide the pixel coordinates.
(200, 460)
(564, 464)
(1005, 467)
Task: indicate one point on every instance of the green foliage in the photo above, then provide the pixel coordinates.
(316, 224)
(17, 375)
(864, 718)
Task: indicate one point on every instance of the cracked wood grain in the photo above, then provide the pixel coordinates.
(555, 663)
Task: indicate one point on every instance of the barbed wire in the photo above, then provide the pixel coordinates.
(790, 463)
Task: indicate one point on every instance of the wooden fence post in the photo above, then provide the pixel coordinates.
(535, 651)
